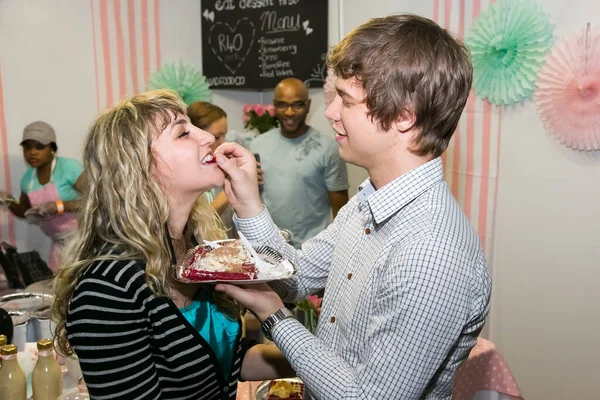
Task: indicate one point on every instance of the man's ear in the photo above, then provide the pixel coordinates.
(405, 122)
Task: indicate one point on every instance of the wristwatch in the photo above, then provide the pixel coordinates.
(268, 324)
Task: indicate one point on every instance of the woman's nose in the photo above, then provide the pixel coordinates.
(204, 138)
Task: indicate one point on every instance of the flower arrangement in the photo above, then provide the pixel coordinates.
(311, 308)
(260, 117)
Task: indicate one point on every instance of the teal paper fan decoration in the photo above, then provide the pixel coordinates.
(186, 80)
(508, 45)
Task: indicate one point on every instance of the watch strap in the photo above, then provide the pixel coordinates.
(269, 323)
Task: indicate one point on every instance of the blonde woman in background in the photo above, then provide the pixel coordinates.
(138, 333)
(213, 119)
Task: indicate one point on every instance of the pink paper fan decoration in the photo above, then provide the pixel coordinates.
(568, 91)
(329, 88)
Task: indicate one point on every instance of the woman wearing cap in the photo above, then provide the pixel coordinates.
(49, 188)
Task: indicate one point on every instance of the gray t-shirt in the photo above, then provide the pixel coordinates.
(299, 173)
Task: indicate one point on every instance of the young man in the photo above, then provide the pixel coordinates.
(407, 288)
(305, 179)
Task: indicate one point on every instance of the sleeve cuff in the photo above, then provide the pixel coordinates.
(260, 229)
(291, 336)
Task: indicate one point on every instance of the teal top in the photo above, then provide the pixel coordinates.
(64, 176)
(219, 331)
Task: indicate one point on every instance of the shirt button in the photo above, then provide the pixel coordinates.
(350, 276)
(226, 389)
(368, 230)
(332, 320)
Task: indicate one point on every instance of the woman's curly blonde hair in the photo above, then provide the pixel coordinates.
(123, 204)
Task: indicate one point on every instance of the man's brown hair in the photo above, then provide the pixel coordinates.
(408, 65)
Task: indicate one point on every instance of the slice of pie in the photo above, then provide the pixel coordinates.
(231, 261)
(285, 390)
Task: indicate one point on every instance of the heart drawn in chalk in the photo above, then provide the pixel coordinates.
(231, 45)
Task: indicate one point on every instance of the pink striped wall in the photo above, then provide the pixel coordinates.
(126, 35)
(127, 50)
(471, 162)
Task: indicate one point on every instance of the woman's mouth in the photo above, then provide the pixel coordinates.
(208, 159)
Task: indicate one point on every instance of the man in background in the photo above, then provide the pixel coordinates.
(305, 180)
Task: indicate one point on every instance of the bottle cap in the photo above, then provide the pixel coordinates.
(44, 344)
(8, 349)
(3, 340)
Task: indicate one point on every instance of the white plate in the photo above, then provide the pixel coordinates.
(26, 301)
(269, 258)
(239, 281)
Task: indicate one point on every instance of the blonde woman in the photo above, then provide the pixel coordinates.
(137, 332)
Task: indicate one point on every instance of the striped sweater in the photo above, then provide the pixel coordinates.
(134, 345)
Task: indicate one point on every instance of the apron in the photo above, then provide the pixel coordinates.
(57, 227)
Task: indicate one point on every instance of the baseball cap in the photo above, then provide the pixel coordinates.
(40, 132)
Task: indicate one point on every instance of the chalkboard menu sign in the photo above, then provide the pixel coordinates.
(256, 43)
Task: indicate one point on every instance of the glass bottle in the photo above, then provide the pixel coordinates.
(46, 380)
(3, 341)
(13, 385)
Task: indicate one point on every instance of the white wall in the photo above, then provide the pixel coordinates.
(546, 305)
(546, 312)
(546, 308)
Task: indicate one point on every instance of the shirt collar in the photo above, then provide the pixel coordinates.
(391, 198)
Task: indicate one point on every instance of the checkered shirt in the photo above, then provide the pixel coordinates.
(407, 292)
